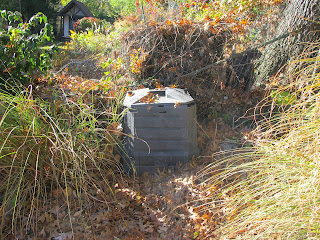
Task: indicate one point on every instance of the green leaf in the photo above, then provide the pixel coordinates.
(17, 16)
(45, 19)
(195, 235)
(49, 28)
(3, 13)
(283, 98)
(11, 18)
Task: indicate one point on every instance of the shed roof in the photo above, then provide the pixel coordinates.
(80, 5)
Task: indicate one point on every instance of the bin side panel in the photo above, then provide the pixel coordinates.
(192, 132)
(159, 136)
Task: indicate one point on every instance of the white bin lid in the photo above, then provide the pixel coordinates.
(162, 96)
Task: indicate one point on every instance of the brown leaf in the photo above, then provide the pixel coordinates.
(77, 214)
(117, 158)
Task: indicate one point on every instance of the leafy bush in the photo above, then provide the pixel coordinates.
(21, 56)
(90, 23)
(88, 42)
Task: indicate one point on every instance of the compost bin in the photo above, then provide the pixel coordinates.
(160, 129)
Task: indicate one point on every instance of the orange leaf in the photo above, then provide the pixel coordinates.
(172, 69)
(222, 86)
(158, 85)
(244, 22)
(217, 19)
(206, 216)
(183, 22)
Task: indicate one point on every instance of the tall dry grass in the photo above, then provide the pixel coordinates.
(50, 146)
(273, 190)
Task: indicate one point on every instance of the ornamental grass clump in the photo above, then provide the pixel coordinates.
(274, 192)
(48, 147)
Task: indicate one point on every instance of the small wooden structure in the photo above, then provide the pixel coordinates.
(71, 13)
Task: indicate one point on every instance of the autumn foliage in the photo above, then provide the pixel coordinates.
(65, 148)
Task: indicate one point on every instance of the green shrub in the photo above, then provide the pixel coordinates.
(21, 55)
(88, 42)
(90, 23)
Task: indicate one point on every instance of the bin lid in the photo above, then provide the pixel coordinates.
(166, 95)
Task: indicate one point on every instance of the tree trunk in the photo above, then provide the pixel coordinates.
(299, 19)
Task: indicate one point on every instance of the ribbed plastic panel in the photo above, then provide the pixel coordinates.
(160, 134)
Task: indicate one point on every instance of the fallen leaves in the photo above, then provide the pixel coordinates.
(149, 98)
(177, 104)
(150, 207)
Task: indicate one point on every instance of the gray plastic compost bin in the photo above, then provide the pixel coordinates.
(160, 133)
